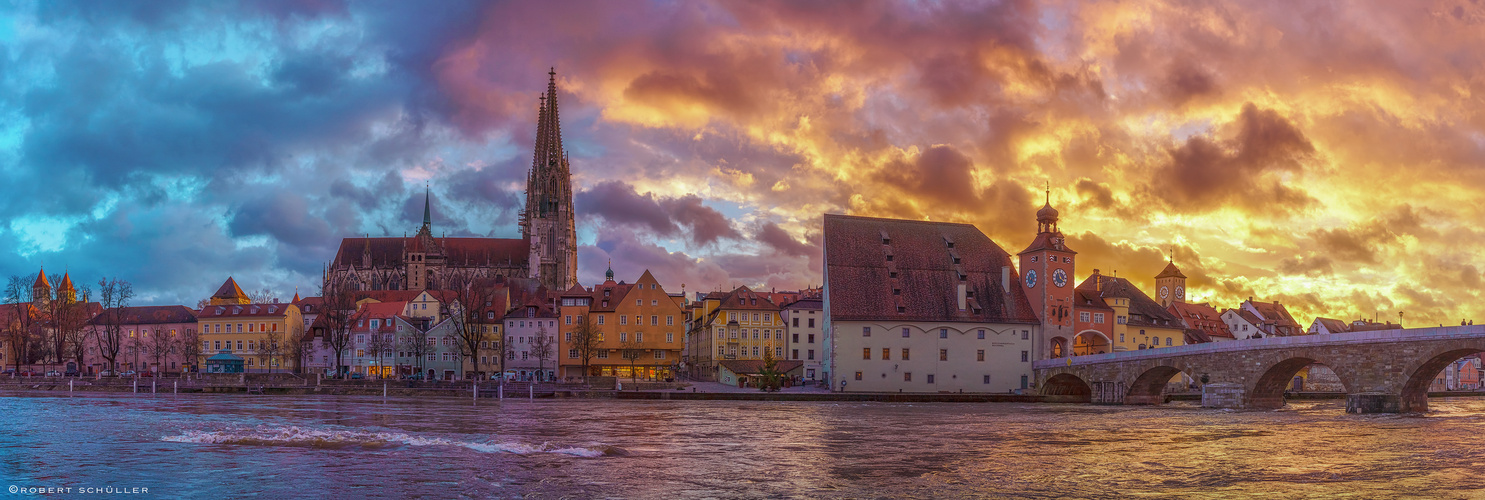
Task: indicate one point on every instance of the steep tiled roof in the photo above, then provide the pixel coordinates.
(229, 290)
(1048, 241)
(463, 252)
(1202, 317)
(1170, 271)
(609, 303)
(1334, 325)
(753, 366)
(41, 281)
(860, 278)
(1089, 299)
(66, 282)
(244, 311)
(147, 315)
(1276, 318)
(1143, 311)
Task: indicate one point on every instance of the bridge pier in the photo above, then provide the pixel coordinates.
(1222, 396)
(1373, 402)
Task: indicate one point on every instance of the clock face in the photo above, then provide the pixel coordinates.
(1164, 292)
(1059, 278)
(1031, 278)
(1180, 292)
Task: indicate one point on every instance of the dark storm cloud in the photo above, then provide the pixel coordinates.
(619, 203)
(1206, 173)
(774, 236)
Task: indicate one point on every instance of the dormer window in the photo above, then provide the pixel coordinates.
(889, 257)
(896, 291)
(901, 309)
(892, 275)
(956, 260)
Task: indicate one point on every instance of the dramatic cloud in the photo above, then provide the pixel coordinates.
(1327, 155)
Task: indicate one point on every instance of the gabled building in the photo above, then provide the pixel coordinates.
(643, 329)
(915, 306)
(803, 323)
(1265, 319)
(1138, 321)
(741, 324)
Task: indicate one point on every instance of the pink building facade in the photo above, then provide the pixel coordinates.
(159, 339)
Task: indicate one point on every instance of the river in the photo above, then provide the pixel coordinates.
(362, 447)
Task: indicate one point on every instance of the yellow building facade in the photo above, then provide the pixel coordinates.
(260, 333)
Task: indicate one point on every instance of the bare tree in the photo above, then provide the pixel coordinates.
(262, 296)
(415, 344)
(113, 296)
(71, 321)
(381, 344)
(159, 346)
(541, 347)
(188, 344)
(466, 298)
(586, 337)
(21, 318)
(272, 348)
(631, 348)
(338, 310)
(296, 346)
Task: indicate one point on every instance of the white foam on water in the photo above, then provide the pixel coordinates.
(321, 438)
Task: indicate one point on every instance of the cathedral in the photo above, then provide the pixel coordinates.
(546, 251)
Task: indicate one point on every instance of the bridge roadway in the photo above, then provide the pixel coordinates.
(1383, 371)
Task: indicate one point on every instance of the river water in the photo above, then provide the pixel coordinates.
(363, 447)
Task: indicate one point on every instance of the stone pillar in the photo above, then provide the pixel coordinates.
(1222, 396)
(1373, 402)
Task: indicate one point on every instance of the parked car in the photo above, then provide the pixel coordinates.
(72, 373)
(146, 374)
(30, 373)
(9, 372)
(107, 373)
(357, 376)
(53, 373)
(129, 373)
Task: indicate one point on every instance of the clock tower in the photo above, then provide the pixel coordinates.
(1170, 285)
(1046, 275)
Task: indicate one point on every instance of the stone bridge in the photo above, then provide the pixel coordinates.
(1384, 371)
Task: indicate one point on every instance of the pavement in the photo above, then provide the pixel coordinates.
(701, 386)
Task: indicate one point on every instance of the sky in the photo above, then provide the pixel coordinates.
(1326, 155)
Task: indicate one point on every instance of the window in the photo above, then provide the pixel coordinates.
(1121, 338)
(1097, 317)
(639, 336)
(1120, 320)
(905, 354)
(982, 334)
(865, 331)
(239, 345)
(865, 353)
(767, 334)
(755, 318)
(572, 353)
(600, 319)
(669, 337)
(569, 319)
(755, 334)
(659, 354)
(796, 322)
(812, 354)
(1083, 316)
(1168, 341)
(904, 333)
(943, 355)
(670, 321)
(623, 336)
(943, 333)
(896, 291)
(980, 355)
(795, 354)
(811, 338)
(858, 375)
(812, 322)
(654, 320)
(778, 352)
(930, 376)
(907, 376)
(219, 346)
(1025, 356)
(250, 346)
(1025, 334)
(432, 357)
(623, 320)
(755, 351)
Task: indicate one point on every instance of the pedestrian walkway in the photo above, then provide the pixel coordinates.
(720, 387)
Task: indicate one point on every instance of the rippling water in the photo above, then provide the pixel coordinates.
(343, 447)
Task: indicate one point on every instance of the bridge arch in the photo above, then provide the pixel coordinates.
(1414, 397)
(1268, 390)
(1149, 387)
(1067, 388)
(1091, 341)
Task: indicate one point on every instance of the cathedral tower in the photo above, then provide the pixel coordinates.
(1047, 273)
(547, 222)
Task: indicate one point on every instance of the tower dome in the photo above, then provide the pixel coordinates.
(1047, 214)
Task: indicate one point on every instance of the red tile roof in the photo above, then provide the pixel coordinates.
(41, 280)
(1143, 311)
(459, 252)
(1334, 325)
(1203, 318)
(147, 315)
(1170, 271)
(229, 290)
(1048, 241)
(244, 311)
(860, 282)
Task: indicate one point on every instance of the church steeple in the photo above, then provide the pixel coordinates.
(547, 221)
(427, 212)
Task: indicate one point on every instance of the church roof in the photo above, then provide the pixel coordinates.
(229, 290)
(922, 254)
(458, 252)
(1170, 272)
(66, 282)
(41, 280)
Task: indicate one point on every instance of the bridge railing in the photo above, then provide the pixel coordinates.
(1376, 336)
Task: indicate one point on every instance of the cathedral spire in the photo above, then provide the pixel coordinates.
(427, 213)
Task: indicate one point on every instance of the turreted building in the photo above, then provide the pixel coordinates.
(546, 250)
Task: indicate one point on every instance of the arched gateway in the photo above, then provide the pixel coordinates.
(1384, 371)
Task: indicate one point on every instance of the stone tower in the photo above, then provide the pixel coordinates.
(1170, 285)
(547, 222)
(1047, 274)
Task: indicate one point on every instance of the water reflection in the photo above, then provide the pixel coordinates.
(295, 447)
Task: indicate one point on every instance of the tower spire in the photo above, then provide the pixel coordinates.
(427, 213)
